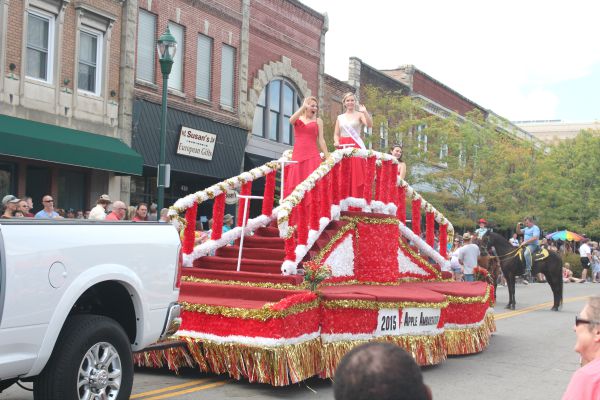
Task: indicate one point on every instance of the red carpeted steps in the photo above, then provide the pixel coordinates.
(265, 242)
(243, 276)
(230, 296)
(230, 264)
(256, 253)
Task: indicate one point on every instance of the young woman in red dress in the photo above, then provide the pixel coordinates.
(308, 139)
(348, 127)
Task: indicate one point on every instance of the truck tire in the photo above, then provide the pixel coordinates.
(91, 360)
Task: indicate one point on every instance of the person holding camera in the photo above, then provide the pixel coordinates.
(531, 241)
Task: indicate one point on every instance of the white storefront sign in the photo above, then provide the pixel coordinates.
(408, 320)
(195, 143)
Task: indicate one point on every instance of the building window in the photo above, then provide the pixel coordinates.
(227, 75)
(276, 104)
(146, 49)
(383, 136)
(40, 45)
(176, 76)
(422, 142)
(90, 61)
(204, 64)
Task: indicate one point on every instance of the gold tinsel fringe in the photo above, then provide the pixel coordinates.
(425, 349)
(470, 340)
(172, 357)
(277, 365)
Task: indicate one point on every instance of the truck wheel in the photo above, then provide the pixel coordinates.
(91, 360)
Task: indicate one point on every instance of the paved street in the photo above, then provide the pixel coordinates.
(530, 357)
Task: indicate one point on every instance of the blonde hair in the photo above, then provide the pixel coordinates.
(348, 94)
(311, 98)
(567, 265)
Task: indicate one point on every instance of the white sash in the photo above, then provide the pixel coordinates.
(355, 135)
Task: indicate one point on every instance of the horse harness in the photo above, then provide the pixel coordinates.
(539, 255)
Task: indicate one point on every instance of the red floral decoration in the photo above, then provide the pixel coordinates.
(482, 274)
(386, 189)
(430, 228)
(302, 209)
(269, 195)
(190, 228)
(373, 262)
(246, 191)
(345, 174)
(315, 273)
(290, 248)
(368, 189)
(325, 210)
(315, 206)
(287, 302)
(291, 326)
(378, 183)
(401, 202)
(416, 217)
(444, 240)
(335, 184)
(218, 213)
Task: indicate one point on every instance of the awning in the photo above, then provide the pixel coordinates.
(38, 141)
(228, 153)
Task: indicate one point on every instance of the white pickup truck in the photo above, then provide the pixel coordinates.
(76, 298)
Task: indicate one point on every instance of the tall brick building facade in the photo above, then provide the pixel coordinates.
(61, 117)
(243, 68)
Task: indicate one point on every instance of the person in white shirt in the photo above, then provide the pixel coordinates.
(585, 254)
(514, 240)
(99, 211)
(467, 256)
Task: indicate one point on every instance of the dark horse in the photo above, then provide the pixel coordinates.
(512, 266)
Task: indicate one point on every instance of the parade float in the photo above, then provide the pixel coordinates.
(321, 273)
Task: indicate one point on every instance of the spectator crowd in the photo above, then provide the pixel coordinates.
(105, 209)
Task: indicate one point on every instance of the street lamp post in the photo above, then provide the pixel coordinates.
(166, 47)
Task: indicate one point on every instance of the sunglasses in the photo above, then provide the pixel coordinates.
(579, 321)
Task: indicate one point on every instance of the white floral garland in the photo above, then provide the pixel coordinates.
(345, 337)
(341, 258)
(249, 340)
(406, 265)
(423, 247)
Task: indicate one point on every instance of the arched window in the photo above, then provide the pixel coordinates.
(276, 104)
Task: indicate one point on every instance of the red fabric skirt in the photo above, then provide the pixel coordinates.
(357, 176)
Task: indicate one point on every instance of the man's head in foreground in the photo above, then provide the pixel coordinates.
(379, 371)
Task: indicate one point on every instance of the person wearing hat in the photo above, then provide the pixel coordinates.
(99, 210)
(467, 257)
(10, 203)
(585, 254)
(227, 222)
(482, 230)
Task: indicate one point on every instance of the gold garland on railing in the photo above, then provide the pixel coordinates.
(270, 285)
(262, 314)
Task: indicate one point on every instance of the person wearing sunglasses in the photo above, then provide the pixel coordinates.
(48, 211)
(585, 382)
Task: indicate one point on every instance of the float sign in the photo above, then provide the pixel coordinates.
(231, 197)
(407, 320)
(195, 143)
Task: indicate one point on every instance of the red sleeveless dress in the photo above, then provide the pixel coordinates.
(306, 152)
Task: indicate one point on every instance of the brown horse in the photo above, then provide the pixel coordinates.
(512, 266)
(492, 265)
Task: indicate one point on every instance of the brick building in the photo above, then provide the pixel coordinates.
(62, 124)
(241, 69)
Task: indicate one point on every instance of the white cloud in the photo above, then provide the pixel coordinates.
(502, 55)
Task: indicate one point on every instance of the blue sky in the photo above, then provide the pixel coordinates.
(525, 60)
